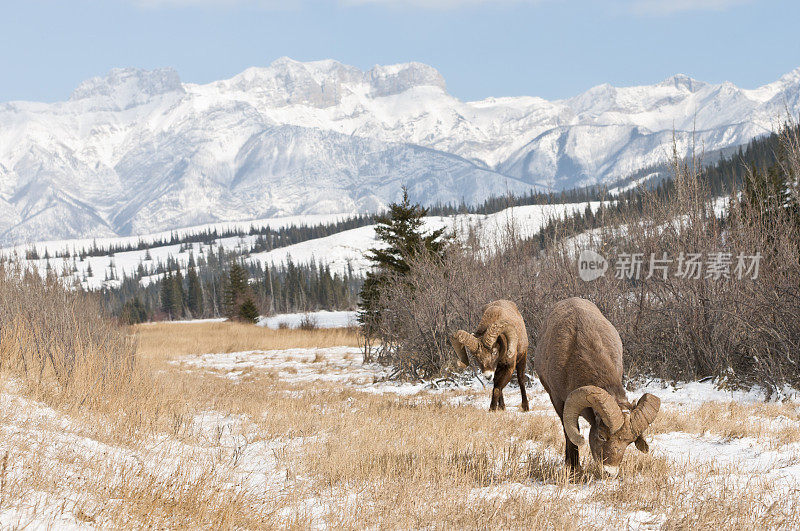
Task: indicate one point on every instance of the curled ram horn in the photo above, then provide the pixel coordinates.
(644, 413)
(600, 401)
(462, 339)
(494, 330)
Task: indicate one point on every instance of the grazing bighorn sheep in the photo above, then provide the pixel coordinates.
(499, 345)
(579, 362)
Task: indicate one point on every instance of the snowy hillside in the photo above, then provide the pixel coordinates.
(347, 248)
(138, 151)
(342, 251)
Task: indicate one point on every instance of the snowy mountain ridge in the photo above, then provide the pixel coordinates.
(139, 151)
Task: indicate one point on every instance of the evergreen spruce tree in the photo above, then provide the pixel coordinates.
(774, 190)
(177, 294)
(133, 311)
(237, 290)
(401, 230)
(248, 311)
(167, 294)
(194, 290)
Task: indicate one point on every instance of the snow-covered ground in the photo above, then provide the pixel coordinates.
(37, 441)
(41, 440)
(344, 359)
(276, 223)
(320, 319)
(748, 461)
(632, 184)
(342, 251)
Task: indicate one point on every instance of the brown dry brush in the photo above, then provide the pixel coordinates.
(741, 331)
(59, 341)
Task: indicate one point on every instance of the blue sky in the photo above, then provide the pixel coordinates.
(547, 48)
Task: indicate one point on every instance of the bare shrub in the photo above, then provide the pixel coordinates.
(742, 331)
(58, 340)
(308, 322)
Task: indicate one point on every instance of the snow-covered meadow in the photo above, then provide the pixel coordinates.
(315, 438)
(318, 319)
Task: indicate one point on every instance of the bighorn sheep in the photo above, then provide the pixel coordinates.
(579, 361)
(499, 345)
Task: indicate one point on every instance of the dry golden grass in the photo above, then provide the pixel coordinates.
(170, 340)
(731, 420)
(195, 449)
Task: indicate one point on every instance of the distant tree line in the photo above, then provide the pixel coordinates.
(222, 284)
(268, 238)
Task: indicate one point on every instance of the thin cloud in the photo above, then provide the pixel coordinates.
(670, 7)
(295, 4)
(437, 4)
(264, 4)
(639, 7)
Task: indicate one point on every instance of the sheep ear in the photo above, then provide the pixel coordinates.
(641, 444)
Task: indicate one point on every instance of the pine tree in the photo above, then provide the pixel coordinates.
(167, 304)
(178, 294)
(133, 311)
(237, 290)
(194, 290)
(774, 191)
(401, 230)
(247, 311)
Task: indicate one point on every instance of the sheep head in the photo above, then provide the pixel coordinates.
(466, 345)
(613, 429)
(486, 348)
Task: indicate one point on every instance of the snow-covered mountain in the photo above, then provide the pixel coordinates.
(139, 151)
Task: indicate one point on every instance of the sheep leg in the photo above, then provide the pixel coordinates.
(501, 378)
(521, 379)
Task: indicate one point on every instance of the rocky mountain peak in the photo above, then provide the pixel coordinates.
(126, 87)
